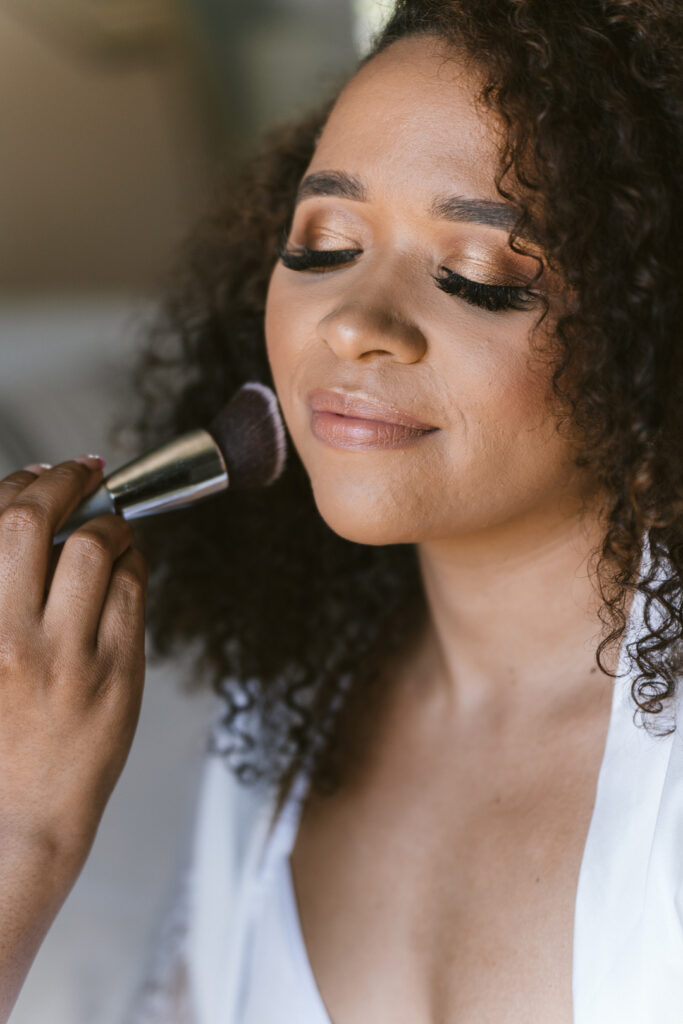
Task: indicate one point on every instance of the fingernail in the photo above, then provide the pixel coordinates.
(91, 461)
(38, 467)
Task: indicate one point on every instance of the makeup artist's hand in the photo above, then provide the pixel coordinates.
(72, 660)
(72, 667)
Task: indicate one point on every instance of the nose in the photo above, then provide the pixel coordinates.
(370, 323)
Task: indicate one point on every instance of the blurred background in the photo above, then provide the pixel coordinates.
(117, 117)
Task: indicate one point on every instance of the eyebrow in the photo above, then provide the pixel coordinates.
(454, 208)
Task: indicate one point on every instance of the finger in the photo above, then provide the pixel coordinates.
(12, 485)
(52, 566)
(121, 631)
(82, 578)
(28, 522)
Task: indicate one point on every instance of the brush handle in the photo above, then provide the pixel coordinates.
(186, 470)
(96, 504)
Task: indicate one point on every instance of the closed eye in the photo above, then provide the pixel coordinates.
(489, 296)
(303, 258)
(492, 297)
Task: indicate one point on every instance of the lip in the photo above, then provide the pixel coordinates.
(360, 406)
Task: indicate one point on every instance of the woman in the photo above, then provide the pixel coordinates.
(475, 242)
(413, 628)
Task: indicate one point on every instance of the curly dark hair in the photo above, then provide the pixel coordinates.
(293, 623)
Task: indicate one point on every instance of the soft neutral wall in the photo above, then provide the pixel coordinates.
(104, 163)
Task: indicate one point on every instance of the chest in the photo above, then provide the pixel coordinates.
(442, 889)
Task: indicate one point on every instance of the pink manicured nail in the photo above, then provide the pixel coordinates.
(91, 461)
(37, 467)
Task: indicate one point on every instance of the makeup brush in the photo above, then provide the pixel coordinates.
(244, 446)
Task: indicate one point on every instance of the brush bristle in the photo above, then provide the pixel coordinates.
(251, 435)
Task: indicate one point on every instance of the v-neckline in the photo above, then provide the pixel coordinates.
(282, 839)
(630, 779)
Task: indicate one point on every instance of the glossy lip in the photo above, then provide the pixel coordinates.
(361, 406)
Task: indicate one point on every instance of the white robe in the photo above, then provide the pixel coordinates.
(628, 926)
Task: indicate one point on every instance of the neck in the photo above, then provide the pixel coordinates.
(514, 615)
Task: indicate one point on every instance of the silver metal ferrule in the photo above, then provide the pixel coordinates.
(174, 475)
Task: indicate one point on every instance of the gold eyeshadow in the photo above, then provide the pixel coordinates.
(482, 254)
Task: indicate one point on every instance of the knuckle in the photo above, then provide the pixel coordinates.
(12, 486)
(129, 580)
(91, 542)
(18, 659)
(11, 654)
(23, 516)
(109, 531)
(68, 472)
(19, 478)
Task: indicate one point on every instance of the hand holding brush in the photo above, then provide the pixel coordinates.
(72, 647)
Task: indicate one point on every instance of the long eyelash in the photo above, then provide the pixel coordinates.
(492, 297)
(303, 258)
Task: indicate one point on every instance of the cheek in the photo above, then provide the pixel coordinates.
(294, 356)
(496, 456)
(276, 322)
(284, 333)
(506, 452)
(504, 399)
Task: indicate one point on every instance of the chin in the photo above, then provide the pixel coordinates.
(361, 521)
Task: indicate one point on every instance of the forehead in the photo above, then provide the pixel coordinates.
(409, 119)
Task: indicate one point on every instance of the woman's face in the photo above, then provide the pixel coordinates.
(417, 151)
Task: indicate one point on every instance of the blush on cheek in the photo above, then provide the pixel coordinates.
(278, 345)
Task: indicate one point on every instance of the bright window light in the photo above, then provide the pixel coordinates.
(368, 18)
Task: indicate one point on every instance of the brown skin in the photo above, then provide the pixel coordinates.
(481, 756)
(491, 499)
(72, 666)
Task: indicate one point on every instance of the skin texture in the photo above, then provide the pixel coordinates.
(590, 100)
(72, 666)
(491, 738)
(503, 521)
(439, 885)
